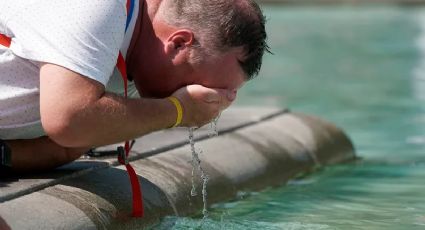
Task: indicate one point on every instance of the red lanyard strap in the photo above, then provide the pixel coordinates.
(124, 152)
(138, 210)
(5, 40)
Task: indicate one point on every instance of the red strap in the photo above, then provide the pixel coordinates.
(123, 70)
(5, 40)
(136, 188)
(135, 185)
(128, 6)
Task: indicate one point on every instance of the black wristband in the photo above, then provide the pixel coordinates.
(5, 155)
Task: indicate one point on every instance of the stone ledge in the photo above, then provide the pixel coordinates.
(267, 149)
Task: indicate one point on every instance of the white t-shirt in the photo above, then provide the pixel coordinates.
(83, 36)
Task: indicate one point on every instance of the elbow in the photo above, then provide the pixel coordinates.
(63, 130)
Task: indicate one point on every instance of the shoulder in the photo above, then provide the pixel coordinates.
(83, 36)
(78, 8)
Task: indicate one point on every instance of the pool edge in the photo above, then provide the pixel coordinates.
(268, 153)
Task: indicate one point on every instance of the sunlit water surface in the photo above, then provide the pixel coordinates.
(362, 68)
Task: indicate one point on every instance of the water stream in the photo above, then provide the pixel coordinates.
(196, 164)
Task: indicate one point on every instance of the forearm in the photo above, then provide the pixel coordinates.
(109, 120)
(112, 119)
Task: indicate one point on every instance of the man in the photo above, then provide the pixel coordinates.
(58, 98)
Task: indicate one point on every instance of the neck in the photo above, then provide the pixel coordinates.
(147, 12)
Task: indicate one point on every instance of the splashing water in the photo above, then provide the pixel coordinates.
(193, 162)
(213, 126)
(196, 164)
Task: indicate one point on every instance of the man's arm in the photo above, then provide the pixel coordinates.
(76, 112)
(41, 154)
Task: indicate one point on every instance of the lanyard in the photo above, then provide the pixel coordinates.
(122, 152)
(5, 41)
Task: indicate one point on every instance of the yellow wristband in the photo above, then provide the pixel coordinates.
(179, 109)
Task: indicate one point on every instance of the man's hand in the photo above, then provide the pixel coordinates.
(201, 105)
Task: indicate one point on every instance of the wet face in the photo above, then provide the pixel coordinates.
(160, 62)
(223, 72)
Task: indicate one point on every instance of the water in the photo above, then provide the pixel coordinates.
(196, 164)
(363, 68)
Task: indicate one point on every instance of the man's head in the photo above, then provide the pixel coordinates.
(215, 43)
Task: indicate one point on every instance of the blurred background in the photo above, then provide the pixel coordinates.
(361, 65)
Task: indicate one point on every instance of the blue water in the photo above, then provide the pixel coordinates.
(362, 68)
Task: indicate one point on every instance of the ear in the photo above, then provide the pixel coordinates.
(178, 44)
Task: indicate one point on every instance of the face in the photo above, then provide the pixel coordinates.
(223, 72)
(160, 63)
